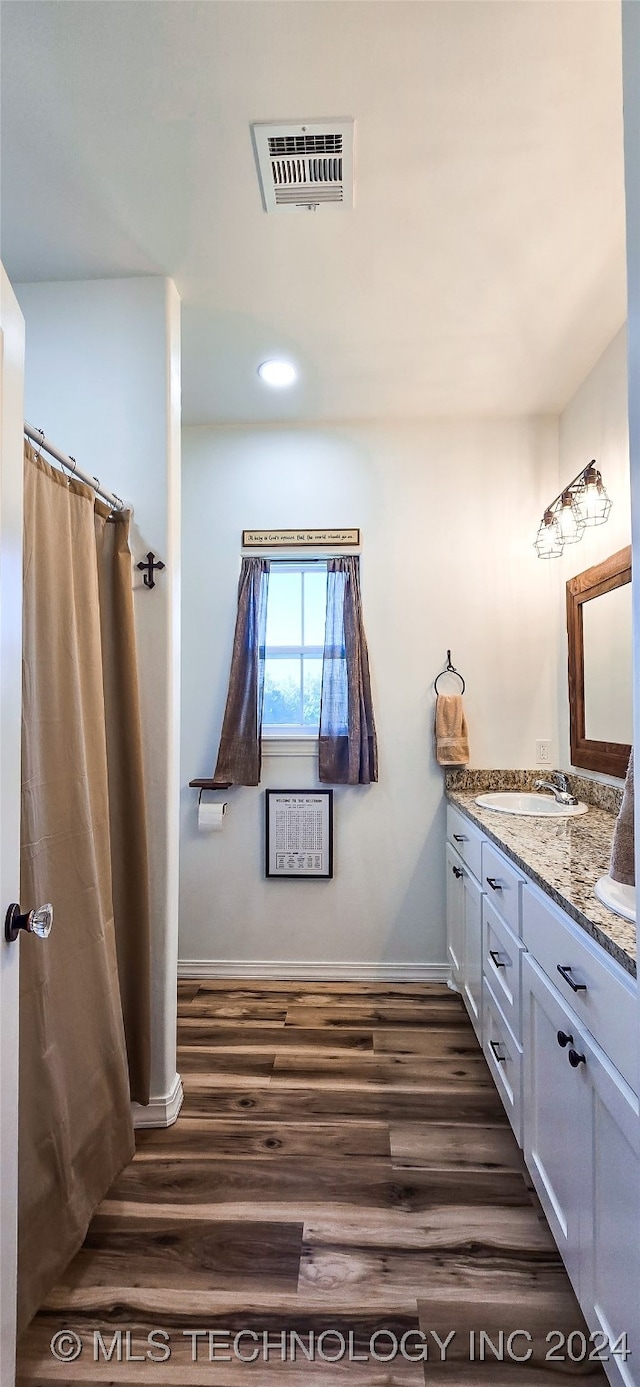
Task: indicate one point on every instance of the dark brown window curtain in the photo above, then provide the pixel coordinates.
(348, 753)
(75, 1118)
(239, 755)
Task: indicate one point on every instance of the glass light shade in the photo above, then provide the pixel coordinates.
(592, 501)
(277, 373)
(570, 522)
(548, 542)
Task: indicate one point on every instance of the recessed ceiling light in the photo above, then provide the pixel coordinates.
(277, 372)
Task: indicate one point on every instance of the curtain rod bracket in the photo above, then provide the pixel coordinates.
(148, 568)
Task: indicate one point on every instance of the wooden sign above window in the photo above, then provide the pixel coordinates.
(300, 539)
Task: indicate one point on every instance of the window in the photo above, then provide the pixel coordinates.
(296, 607)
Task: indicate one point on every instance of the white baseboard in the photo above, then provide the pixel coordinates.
(313, 972)
(159, 1112)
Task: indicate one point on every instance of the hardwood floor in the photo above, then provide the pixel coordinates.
(342, 1163)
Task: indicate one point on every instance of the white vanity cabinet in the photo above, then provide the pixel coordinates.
(559, 1033)
(464, 913)
(582, 1148)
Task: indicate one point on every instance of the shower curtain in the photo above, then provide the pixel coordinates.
(79, 730)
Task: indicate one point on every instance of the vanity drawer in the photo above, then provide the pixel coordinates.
(503, 884)
(603, 995)
(466, 839)
(502, 964)
(504, 1057)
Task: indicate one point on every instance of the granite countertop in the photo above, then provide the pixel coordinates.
(564, 857)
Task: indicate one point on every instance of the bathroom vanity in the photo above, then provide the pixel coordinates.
(548, 976)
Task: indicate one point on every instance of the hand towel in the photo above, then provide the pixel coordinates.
(452, 740)
(623, 866)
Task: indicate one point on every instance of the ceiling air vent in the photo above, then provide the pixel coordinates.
(305, 168)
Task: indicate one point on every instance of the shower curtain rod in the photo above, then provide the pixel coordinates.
(37, 436)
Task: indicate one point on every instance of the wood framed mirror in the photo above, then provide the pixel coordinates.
(600, 669)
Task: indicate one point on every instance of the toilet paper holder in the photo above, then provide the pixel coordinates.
(208, 785)
(211, 814)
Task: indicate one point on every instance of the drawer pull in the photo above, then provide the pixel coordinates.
(461, 838)
(502, 1059)
(564, 1039)
(457, 872)
(499, 963)
(565, 972)
(575, 1059)
(494, 884)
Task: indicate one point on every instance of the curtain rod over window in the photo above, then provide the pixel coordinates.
(37, 436)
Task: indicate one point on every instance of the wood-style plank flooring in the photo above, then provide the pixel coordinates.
(341, 1162)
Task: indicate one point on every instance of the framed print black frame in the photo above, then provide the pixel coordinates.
(299, 835)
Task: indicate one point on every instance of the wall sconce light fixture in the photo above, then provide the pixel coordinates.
(583, 502)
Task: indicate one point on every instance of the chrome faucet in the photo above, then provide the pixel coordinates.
(560, 789)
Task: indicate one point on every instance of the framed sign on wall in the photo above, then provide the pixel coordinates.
(299, 834)
(300, 539)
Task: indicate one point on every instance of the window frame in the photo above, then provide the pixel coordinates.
(294, 732)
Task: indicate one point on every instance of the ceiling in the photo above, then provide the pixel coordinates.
(482, 269)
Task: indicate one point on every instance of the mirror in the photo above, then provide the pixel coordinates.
(599, 627)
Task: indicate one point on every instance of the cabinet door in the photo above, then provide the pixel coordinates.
(472, 971)
(504, 1057)
(455, 914)
(466, 839)
(502, 965)
(504, 884)
(612, 1297)
(557, 1112)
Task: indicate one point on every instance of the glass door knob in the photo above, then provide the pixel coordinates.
(32, 922)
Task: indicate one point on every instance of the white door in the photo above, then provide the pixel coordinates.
(11, 416)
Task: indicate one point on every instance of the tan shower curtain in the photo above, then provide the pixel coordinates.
(127, 812)
(75, 1120)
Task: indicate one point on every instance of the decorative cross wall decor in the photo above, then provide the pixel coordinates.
(148, 568)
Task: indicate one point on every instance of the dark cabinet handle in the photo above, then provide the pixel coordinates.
(564, 1039)
(457, 872)
(461, 838)
(493, 953)
(575, 1059)
(565, 972)
(502, 1059)
(495, 885)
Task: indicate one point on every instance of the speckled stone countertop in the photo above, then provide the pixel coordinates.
(564, 857)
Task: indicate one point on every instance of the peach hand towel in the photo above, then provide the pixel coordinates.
(623, 867)
(452, 739)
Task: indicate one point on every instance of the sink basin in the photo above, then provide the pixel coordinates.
(527, 802)
(621, 899)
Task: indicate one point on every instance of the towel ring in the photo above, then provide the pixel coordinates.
(449, 669)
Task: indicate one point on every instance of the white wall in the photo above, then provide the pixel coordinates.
(103, 381)
(448, 513)
(594, 424)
